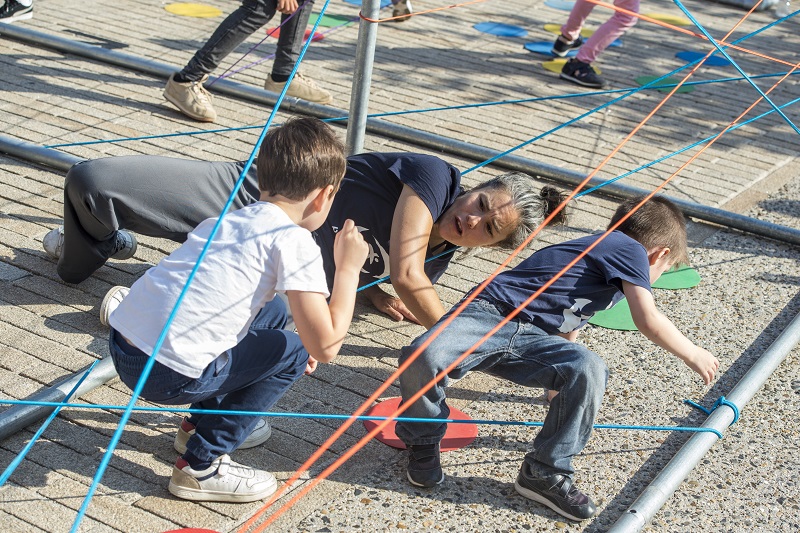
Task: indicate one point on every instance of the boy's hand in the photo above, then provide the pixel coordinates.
(311, 365)
(349, 248)
(287, 7)
(705, 364)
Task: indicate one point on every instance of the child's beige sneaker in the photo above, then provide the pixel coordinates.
(302, 88)
(259, 435)
(223, 481)
(111, 301)
(191, 98)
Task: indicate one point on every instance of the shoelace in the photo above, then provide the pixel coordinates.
(202, 92)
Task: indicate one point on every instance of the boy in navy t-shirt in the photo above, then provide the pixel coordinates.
(537, 349)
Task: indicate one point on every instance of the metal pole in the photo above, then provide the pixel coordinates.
(17, 417)
(655, 495)
(362, 77)
(50, 157)
(411, 135)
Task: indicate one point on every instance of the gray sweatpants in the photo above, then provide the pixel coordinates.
(150, 195)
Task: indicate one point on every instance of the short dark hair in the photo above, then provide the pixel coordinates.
(658, 222)
(298, 157)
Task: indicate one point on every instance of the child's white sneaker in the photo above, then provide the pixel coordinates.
(111, 301)
(259, 435)
(223, 481)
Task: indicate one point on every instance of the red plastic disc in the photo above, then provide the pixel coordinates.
(191, 530)
(276, 32)
(457, 435)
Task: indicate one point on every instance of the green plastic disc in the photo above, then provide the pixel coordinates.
(618, 317)
(678, 278)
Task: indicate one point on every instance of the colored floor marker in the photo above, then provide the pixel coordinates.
(556, 29)
(500, 29)
(193, 10)
(384, 3)
(330, 21)
(678, 278)
(669, 19)
(563, 5)
(276, 32)
(713, 61)
(191, 530)
(557, 64)
(545, 47)
(457, 435)
(618, 317)
(642, 80)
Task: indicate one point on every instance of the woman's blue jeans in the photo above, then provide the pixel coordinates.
(251, 376)
(521, 353)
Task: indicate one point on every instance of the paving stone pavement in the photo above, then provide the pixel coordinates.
(749, 293)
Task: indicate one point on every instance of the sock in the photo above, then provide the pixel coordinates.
(279, 78)
(195, 462)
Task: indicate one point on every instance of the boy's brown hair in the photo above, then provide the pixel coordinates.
(658, 222)
(298, 157)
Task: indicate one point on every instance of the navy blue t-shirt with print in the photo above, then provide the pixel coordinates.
(369, 193)
(593, 284)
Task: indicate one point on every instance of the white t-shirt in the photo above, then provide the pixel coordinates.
(257, 251)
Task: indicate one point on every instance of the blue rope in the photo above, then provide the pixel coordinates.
(427, 110)
(720, 401)
(707, 139)
(735, 65)
(151, 360)
(323, 416)
(21, 455)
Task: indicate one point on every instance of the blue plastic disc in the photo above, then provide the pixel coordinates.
(503, 30)
(563, 5)
(545, 47)
(384, 3)
(713, 61)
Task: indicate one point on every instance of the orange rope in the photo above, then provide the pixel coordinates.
(405, 17)
(361, 443)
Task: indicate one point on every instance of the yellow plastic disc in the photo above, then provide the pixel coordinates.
(555, 65)
(193, 10)
(556, 28)
(669, 19)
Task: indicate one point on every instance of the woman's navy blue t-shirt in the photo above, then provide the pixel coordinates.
(593, 284)
(369, 193)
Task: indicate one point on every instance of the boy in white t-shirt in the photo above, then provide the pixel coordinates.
(226, 349)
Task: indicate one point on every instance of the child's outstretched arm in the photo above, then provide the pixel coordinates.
(322, 326)
(659, 329)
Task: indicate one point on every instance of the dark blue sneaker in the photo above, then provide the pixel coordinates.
(424, 467)
(557, 492)
(13, 11)
(582, 74)
(562, 46)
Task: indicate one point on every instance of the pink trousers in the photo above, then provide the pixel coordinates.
(611, 29)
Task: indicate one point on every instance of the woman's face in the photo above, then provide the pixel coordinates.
(479, 218)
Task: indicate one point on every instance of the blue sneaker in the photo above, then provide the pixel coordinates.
(424, 467)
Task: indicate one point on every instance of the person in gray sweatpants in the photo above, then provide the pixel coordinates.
(157, 196)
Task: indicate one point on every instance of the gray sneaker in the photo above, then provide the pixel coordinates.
(191, 98)
(402, 11)
(53, 242)
(111, 301)
(126, 245)
(259, 435)
(223, 481)
(302, 88)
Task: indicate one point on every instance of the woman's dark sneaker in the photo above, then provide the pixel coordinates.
(424, 467)
(562, 46)
(555, 491)
(582, 74)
